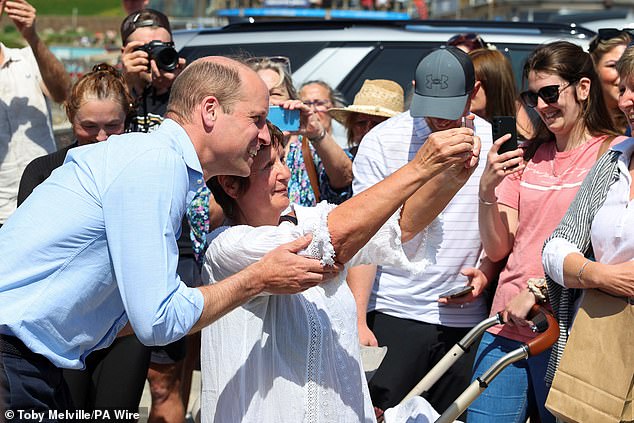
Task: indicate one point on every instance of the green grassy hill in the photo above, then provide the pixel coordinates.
(84, 7)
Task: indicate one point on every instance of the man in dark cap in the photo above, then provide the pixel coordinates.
(401, 303)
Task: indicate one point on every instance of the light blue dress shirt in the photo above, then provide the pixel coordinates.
(95, 246)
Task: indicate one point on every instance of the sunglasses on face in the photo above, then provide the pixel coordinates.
(549, 93)
(605, 34)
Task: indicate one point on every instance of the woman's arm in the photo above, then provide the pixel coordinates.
(353, 223)
(617, 279)
(563, 255)
(497, 222)
(280, 271)
(431, 199)
(337, 164)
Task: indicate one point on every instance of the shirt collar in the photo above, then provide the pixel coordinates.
(421, 128)
(9, 55)
(626, 147)
(187, 147)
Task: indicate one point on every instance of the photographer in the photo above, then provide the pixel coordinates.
(150, 65)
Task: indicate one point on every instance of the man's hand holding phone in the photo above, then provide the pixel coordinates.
(467, 293)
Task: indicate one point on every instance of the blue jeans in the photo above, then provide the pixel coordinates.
(517, 389)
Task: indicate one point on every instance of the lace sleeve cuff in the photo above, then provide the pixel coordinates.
(386, 249)
(315, 220)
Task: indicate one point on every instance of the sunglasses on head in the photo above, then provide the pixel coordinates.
(605, 34)
(471, 39)
(549, 93)
(283, 61)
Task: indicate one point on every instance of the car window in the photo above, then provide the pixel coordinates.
(398, 62)
(298, 53)
(517, 53)
(387, 61)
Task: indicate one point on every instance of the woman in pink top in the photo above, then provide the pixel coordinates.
(523, 196)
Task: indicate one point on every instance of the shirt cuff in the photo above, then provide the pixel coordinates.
(553, 256)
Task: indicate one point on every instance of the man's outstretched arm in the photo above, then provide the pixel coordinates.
(282, 271)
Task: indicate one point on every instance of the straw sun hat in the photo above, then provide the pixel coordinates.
(377, 97)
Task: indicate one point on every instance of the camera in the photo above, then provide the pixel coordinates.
(164, 54)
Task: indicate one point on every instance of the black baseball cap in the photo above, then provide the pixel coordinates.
(141, 19)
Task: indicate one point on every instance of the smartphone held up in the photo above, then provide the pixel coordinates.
(284, 119)
(501, 126)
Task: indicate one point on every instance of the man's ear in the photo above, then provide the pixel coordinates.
(583, 88)
(229, 184)
(209, 111)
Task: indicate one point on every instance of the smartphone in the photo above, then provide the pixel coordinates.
(286, 120)
(457, 292)
(503, 125)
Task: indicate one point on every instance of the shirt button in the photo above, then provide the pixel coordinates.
(199, 181)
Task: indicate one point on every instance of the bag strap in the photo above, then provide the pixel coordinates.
(605, 145)
(310, 168)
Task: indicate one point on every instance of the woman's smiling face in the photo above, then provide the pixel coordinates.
(267, 196)
(561, 116)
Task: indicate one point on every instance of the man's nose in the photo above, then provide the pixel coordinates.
(264, 136)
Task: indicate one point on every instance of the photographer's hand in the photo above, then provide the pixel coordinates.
(162, 80)
(135, 66)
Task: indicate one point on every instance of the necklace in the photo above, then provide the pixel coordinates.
(572, 159)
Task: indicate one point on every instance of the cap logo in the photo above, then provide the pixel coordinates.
(442, 81)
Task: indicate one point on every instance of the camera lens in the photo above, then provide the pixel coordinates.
(166, 58)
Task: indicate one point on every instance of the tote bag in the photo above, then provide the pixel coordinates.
(595, 376)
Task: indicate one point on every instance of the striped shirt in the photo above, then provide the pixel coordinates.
(385, 149)
(575, 228)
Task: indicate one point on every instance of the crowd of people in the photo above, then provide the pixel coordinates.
(183, 226)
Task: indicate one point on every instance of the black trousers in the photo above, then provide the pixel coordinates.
(413, 348)
(29, 381)
(114, 377)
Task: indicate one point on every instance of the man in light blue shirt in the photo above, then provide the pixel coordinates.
(94, 246)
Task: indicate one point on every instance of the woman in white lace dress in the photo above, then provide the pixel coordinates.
(294, 358)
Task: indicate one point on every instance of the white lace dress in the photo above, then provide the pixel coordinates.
(294, 358)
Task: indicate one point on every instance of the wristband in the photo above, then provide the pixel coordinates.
(581, 269)
(318, 138)
(486, 203)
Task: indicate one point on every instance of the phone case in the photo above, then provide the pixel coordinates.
(503, 125)
(285, 120)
